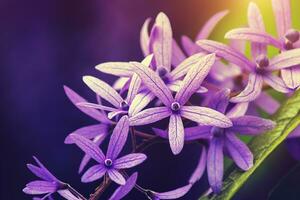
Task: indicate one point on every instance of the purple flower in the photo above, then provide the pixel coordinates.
(97, 132)
(175, 107)
(123, 190)
(260, 69)
(288, 38)
(132, 104)
(109, 164)
(48, 184)
(225, 138)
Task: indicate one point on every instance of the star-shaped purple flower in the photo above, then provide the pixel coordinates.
(175, 108)
(110, 163)
(288, 38)
(225, 138)
(97, 132)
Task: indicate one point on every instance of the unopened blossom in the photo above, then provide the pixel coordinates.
(288, 38)
(109, 164)
(48, 183)
(175, 108)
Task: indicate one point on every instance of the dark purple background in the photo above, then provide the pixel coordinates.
(46, 44)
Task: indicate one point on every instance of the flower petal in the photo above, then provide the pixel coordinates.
(194, 77)
(176, 134)
(190, 133)
(116, 176)
(139, 102)
(88, 132)
(253, 35)
(67, 195)
(176, 85)
(118, 138)
(220, 100)
(211, 24)
(153, 82)
(267, 103)
(86, 158)
(177, 54)
(75, 98)
(295, 133)
(189, 46)
(252, 90)
(96, 106)
(47, 173)
(276, 83)
(251, 125)
(88, 147)
(282, 12)
(291, 77)
(284, 60)
(94, 173)
(103, 90)
(40, 187)
(120, 83)
(112, 114)
(144, 37)
(162, 45)
(130, 160)
(185, 66)
(198, 172)
(173, 194)
(215, 166)
(255, 21)
(123, 190)
(149, 116)
(205, 116)
(121, 69)
(238, 110)
(38, 172)
(238, 151)
(226, 52)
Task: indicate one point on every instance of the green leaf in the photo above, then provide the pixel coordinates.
(287, 119)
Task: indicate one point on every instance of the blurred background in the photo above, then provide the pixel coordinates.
(46, 44)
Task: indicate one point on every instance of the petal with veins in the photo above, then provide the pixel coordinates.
(176, 134)
(251, 91)
(276, 83)
(149, 116)
(282, 12)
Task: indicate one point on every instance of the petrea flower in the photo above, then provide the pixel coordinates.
(175, 107)
(260, 68)
(225, 138)
(109, 164)
(123, 190)
(288, 39)
(133, 103)
(159, 43)
(96, 132)
(48, 184)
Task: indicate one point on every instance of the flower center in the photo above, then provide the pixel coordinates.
(217, 132)
(124, 105)
(108, 162)
(175, 106)
(262, 61)
(292, 35)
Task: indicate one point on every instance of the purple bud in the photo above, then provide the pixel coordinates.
(262, 61)
(162, 72)
(292, 35)
(288, 45)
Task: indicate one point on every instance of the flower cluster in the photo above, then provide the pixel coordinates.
(180, 97)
